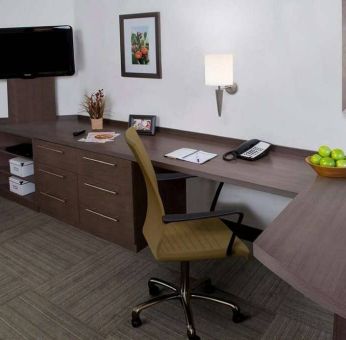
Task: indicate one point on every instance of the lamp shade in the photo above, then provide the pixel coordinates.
(219, 69)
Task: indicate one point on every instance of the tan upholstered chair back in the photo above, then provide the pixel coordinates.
(153, 228)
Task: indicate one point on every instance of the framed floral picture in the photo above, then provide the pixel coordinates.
(144, 124)
(140, 45)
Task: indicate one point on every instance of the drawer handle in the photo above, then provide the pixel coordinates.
(53, 197)
(50, 149)
(51, 173)
(98, 161)
(101, 189)
(101, 215)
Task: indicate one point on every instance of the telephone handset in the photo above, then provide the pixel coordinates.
(250, 150)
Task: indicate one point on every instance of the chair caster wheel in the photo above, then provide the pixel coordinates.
(154, 290)
(239, 317)
(193, 337)
(136, 321)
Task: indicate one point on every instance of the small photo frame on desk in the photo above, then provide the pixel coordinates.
(144, 124)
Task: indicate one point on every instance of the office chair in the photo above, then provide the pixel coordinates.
(183, 238)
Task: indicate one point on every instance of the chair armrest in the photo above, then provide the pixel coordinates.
(168, 176)
(201, 215)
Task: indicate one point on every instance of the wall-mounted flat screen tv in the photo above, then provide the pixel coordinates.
(30, 52)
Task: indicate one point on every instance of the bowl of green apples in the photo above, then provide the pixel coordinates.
(328, 162)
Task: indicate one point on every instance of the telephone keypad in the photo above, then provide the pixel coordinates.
(256, 150)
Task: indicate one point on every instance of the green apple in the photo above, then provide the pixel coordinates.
(341, 163)
(324, 151)
(315, 159)
(338, 154)
(327, 162)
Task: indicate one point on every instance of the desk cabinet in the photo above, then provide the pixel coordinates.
(101, 192)
(93, 192)
(106, 197)
(7, 140)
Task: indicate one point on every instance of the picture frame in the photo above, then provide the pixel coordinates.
(140, 45)
(144, 124)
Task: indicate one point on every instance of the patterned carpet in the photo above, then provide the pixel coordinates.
(57, 282)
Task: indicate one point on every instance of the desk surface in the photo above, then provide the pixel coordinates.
(281, 172)
(305, 245)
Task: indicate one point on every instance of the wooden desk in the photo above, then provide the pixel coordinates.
(305, 245)
(281, 172)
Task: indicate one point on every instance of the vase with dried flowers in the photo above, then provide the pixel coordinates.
(94, 104)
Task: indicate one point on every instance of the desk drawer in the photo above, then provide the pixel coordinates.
(104, 168)
(56, 155)
(58, 182)
(61, 208)
(119, 230)
(109, 200)
(57, 192)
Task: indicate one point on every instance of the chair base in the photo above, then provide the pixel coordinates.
(184, 295)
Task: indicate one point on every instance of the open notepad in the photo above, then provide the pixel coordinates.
(191, 155)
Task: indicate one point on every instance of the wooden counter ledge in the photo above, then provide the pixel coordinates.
(306, 244)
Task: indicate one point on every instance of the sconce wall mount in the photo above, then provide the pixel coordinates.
(232, 89)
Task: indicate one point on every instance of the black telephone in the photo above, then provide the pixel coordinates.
(250, 150)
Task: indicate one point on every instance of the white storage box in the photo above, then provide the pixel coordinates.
(20, 186)
(21, 166)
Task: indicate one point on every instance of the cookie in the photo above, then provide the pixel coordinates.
(104, 136)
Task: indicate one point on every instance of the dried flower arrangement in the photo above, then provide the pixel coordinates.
(94, 104)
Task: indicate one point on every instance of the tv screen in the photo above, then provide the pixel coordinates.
(29, 52)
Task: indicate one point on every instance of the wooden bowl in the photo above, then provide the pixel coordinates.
(327, 171)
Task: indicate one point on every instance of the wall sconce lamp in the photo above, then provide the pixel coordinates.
(219, 72)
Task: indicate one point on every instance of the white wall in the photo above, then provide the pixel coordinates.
(40, 13)
(287, 65)
(259, 208)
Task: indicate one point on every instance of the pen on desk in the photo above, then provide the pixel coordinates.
(189, 154)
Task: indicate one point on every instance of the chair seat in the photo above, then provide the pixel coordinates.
(198, 240)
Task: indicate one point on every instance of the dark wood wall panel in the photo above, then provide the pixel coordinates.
(31, 100)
